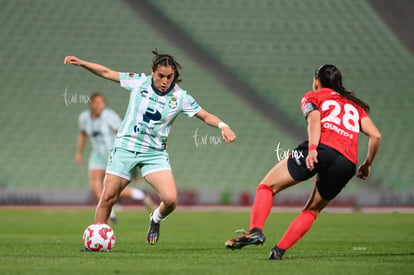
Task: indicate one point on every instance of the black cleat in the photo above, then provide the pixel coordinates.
(245, 239)
(84, 250)
(276, 254)
(153, 232)
(113, 220)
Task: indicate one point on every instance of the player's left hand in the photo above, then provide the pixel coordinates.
(228, 135)
(363, 171)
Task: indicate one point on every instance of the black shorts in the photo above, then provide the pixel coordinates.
(333, 169)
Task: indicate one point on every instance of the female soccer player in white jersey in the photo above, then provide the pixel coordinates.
(155, 101)
(100, 124)
(335, 117)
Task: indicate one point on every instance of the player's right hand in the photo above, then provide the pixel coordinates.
(311, 159)
(72, 60)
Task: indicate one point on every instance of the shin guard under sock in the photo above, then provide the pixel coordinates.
(262, 205)
(297, 229)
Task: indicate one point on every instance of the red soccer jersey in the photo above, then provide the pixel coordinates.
(340, 120)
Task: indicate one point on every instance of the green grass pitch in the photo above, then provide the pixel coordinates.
(45, 241)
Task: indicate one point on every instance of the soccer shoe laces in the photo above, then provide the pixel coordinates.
(241, 231)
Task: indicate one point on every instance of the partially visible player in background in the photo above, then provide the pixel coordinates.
(335, 117)
(100, 124)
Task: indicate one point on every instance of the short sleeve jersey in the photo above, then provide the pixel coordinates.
(340, 120)
(101, 130)
(150, 114)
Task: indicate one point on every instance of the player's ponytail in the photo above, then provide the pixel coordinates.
(330, 77)
(166, 60)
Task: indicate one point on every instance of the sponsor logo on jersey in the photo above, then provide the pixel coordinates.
(144, 93)
(157, 100)
(151, 114)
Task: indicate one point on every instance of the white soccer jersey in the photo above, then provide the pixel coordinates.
(150, 114)
(100, 130)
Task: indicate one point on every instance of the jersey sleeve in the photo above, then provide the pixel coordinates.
(309, 103)
(362, 113)
(130, 81)
(190, 107)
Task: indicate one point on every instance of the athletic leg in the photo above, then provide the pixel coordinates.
(275, 181)
(113, 186)
(299, 226)
(164, 184)
(333, 174)
(96, 177)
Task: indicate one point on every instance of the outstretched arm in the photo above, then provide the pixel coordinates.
(226, 133)
(97, 69)
(369, 128)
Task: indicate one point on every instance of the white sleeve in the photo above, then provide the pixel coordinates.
(190, 107)
(130, 81)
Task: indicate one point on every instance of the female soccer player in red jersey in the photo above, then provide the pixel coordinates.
(335, 116)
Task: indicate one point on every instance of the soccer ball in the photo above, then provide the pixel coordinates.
(99, 237)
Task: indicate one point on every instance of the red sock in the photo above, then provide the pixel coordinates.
(262, 205)
(297, 229)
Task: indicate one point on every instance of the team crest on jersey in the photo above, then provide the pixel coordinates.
(173, 103)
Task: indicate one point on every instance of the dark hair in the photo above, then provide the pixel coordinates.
(166, 60)
(97, 94)
(330, 77)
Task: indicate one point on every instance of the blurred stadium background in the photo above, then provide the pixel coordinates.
(249, 62)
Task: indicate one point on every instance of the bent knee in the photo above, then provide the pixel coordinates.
(108, 198)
